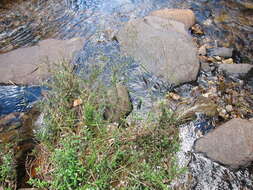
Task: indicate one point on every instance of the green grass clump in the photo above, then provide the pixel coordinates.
(7, 167)
(79, 150)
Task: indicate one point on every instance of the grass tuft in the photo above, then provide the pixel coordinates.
(78, 150)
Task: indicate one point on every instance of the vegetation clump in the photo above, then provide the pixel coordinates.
(78, 149)
(7, 167)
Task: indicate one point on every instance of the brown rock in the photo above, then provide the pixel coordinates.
(230, 144)
(186, 16)
(30, 65)
(162, 46)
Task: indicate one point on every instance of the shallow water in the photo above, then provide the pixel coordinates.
(23, 23)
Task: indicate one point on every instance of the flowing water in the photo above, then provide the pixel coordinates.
(225, 23)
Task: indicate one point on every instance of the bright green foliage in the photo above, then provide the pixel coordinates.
(7, 167)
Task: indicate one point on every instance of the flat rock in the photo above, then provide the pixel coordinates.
(30, 65)
(162, 46)
(241, 69)
(186, 16)
(230, 144)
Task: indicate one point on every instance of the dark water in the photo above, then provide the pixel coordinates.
(17, 98)
(24, 23)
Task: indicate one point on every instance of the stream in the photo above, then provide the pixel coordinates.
(225, 23)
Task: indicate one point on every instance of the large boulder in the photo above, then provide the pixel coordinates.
(230, 144)
(186, 16)
(162, 46)
(30, 65)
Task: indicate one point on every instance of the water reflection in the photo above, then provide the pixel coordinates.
(17, 99)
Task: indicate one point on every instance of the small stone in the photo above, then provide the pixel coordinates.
(229, 108)
(173, 96)
(228, 61)
(218, 58)
(196, 29)
(202, 50)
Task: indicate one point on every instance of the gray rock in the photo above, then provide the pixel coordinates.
(119, 104)
(222, 52)
(230, 144)
(30, 65)
(241, 69)
(206, 67)
(163, 46)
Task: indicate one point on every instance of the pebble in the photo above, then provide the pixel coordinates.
(229, 108)
(202, 50)
(228, 61)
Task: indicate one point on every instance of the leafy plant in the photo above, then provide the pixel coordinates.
(7, 167)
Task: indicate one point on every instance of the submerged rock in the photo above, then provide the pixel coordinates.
(201, 105)
(163, 46)
(230, 144)
(247, 4)
(186, 16)
(17, 126)
(30, 65)
(119, 104)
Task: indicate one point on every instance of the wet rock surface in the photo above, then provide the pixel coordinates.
(30, 65)
(201, 105)
(163, 47)
(230, 144)
(17, 126)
